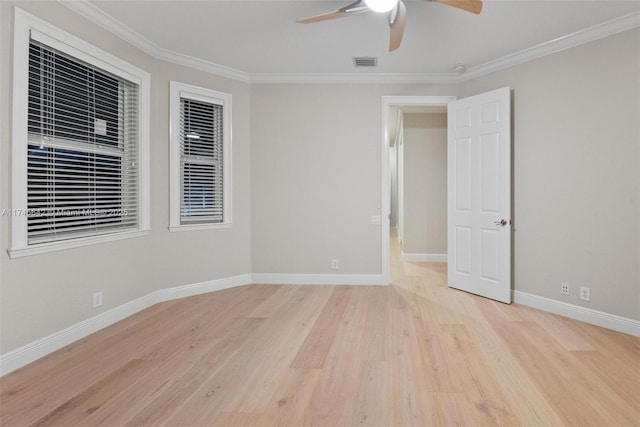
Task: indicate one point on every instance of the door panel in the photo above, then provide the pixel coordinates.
(462, 260)
(479, 157)
(489, 170)
(463, 168)
(489, 254)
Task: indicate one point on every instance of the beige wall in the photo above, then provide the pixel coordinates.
(576, 164)
(311, 203)
(316, 175)
(306, 177)
(425, 183)
(43, 294)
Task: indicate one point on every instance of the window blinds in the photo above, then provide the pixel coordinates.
(82, 169)
(201, 162)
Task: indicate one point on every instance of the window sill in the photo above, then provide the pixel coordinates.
(73, 243)
(195, 227)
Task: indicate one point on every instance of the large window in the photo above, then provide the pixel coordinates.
(200, 153)
(79, 142)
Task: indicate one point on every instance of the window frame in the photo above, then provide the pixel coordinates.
(177, 92)
(24, 25)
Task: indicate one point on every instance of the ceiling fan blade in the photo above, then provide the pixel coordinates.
(397, 22)
(357, 6)
(473, 6)
(323, 17)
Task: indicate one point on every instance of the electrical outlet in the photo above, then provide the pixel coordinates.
(564, 288)
(97, 299)
(585, 293)
(335, 264)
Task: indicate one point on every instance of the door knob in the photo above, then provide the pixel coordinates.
(502, 222)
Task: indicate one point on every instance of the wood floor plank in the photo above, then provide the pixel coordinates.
(416, 353)
(191, 357)
(317, 344)
(292, 327)
(235, 386)
(236, 419)
(374, 338)
(435, 359)
(215, 320)
(623, 379)
(547, 363)
(74, 411)
(69, 357)
(178, 394)
(42, 394)
(61, 359)
(499, 312)
(615, 345)
(564, 335)
(290, 402)
(529, 404)
(369, 405)
(408, 377)
(132, 400)
(274, 303)
(338, 383)
(453, 409)
(476, 378)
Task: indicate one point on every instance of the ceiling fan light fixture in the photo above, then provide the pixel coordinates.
(381, 6)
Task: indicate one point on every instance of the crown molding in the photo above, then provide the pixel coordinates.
(353, 78)
(96, 15)
(202, 65)
(596, 32)
(106, 21)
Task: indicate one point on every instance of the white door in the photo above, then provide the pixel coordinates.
(479, 194)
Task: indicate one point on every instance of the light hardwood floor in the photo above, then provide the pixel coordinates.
(415, 353)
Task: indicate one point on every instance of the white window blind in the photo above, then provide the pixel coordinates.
(82, 162)
(201, 136)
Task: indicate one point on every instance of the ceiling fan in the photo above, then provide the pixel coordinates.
(397, 14)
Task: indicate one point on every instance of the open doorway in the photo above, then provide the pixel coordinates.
(405, 162)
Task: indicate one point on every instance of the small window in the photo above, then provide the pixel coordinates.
(78, 141)
(200, 153)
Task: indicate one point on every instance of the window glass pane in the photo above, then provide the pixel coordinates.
(70, 100)
(201, 150)
(71, 190)
(200, 133)
(200, 198)
(82, 156)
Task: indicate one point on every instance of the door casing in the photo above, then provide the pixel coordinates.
(385, 208)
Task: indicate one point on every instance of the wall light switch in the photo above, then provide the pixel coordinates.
(97, 299)
(585, 293)
(375, 220)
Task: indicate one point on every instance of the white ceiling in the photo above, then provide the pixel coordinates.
(261, 37)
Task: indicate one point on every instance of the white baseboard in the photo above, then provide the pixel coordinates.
(30, 352)
(424, 257)
(35, 350)
(587, 315)
(202, 287)
(317, 279)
